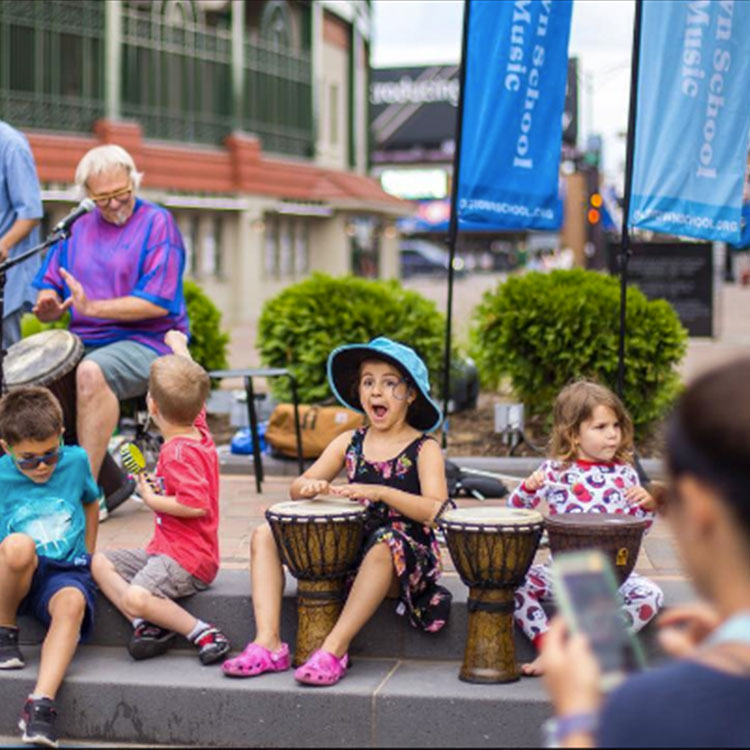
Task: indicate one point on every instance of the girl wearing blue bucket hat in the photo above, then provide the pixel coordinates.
(397, 471)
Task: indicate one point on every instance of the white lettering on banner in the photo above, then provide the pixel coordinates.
(697, 18)
(521, 158)
(721, 62)
(514, 69)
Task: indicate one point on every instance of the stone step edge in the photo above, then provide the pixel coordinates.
(175, 700)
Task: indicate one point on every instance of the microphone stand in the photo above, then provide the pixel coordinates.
(5, 266)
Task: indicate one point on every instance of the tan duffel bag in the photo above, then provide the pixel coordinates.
(318, 425)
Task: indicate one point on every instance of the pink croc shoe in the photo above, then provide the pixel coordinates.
(255, 660)
(322, 668)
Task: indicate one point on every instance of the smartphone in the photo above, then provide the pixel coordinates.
(586, 591)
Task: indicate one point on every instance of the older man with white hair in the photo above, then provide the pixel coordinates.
(120, 274)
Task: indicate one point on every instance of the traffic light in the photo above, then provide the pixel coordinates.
(595, 203)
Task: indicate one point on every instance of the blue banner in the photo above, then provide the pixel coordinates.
(516, 69)
(692, 118)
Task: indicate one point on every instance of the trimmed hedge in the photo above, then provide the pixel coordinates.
(300, 326)
(543, 330)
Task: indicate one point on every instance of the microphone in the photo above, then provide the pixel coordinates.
(82, 208)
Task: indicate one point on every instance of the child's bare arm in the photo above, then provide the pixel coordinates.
(168, 504)
(177, 341)
(91, 510)
(316, 480)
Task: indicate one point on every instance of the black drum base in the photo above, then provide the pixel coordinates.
(116, 485)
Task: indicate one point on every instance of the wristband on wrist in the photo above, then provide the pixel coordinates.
(559, 728)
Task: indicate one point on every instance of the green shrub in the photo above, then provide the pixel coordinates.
(300, 326)
(208, 344)
(543, 330)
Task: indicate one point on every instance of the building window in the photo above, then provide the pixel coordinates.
(271, 265)
(333, 114)
(301, 248)
(191, 247)
(219, 247)
(287, 244)
(365, 246)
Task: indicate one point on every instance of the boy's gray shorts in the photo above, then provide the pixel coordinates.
(158, 574)
(125, 366)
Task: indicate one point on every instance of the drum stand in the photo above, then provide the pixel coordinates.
(5, 266)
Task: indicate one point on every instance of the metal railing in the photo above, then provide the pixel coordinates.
(51, 63)
(176, 78)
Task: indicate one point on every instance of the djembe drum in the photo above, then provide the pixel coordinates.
(319, 541)
(50, 359)
(492, 549)
(47, 359)
(618, 536)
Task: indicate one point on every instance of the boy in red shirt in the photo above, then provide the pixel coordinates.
(183, 555)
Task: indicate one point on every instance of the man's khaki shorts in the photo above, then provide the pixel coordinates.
(158, 574)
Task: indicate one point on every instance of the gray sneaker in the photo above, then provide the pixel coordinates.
(10, 655)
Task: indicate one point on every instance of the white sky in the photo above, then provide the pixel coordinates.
(424, 32)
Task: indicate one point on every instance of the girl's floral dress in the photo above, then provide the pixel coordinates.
(414, 549)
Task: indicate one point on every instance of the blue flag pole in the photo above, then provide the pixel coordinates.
(453, 224)
(625, 251)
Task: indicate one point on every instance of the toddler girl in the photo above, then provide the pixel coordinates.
(397, 472)
(589, 472)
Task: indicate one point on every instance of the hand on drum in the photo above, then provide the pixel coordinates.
(48, 307)
(309, 488)
(640, 497)
(357, 492)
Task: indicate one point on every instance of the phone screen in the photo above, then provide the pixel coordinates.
(588, 598)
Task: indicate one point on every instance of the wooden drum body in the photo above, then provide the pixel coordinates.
(320, 542)
(618, 536)
(492, 549)
(47, 359)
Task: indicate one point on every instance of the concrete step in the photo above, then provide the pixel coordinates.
(173, 700)
(227, 604)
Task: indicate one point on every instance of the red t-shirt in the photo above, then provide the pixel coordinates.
(190, 471)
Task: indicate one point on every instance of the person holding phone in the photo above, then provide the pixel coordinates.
(701, 699)
(589, 470)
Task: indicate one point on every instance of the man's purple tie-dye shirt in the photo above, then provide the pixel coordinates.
(144, 257)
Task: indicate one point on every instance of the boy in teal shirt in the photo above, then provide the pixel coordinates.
(48, 525)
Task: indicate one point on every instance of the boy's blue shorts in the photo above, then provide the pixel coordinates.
(50, 577)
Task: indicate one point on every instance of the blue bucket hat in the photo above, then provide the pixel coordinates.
(343, 373)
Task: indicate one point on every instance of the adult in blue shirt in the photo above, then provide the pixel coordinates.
(702, 698)
(20, 211)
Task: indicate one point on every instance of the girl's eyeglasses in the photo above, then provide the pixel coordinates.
(50, 458)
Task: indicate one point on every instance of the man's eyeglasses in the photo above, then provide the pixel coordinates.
(50, 458)
(121, 196)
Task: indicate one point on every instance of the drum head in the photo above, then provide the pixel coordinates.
(42, 358)
(593, 521)
(491, 517)
(317, 509)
